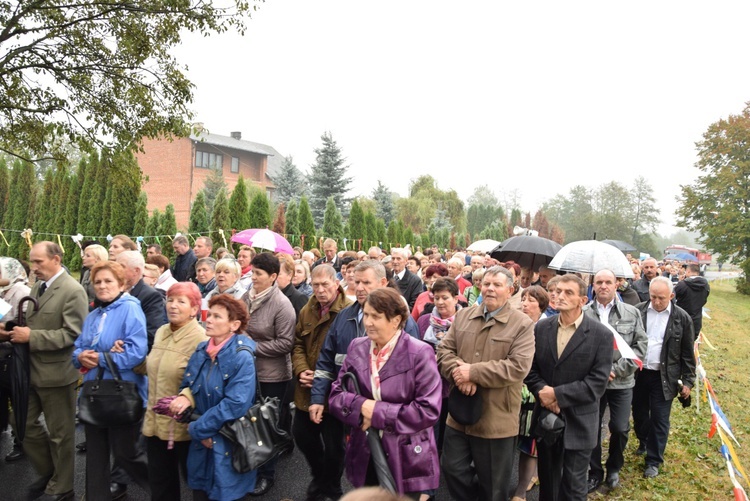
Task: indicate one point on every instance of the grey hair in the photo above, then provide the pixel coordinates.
(324, 269)
(373, 265)
(662, 280)
(132, 260)
(499, 270)
(308, 254)
(402, 251)
(211, 262)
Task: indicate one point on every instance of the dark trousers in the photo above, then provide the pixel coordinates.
(323, 447)
(122, 442)
(651, 415)
(278, 390)
(477, 468)
(562, 472)
(164, 468)
(619, 425)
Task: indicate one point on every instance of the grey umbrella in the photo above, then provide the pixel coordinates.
(590, 256)
(623, 246)
(528, 251)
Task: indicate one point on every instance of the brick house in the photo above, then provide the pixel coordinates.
(177, 169)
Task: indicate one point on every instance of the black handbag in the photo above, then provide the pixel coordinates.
(110, 402)
(256, 437)
(465, 409)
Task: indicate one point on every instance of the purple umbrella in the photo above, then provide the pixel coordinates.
(264, 239)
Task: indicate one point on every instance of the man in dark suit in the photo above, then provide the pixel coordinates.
(184, 263)
(51, 332)
(409, 284)
(152, 302)
(330, 248)
(649, 271)
(568, 376)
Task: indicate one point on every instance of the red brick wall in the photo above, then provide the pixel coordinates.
(171, 172)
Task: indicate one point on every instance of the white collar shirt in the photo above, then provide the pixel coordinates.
(656, 327)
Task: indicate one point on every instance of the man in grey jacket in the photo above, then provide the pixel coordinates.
(626, 320)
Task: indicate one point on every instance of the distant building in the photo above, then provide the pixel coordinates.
(177, 169)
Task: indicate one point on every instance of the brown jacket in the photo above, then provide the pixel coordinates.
(500, 352)
(309, 339)
(166, 364)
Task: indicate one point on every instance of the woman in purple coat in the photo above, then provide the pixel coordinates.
(401, 395)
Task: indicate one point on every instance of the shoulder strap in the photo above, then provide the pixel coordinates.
(258, 393)
(112, 366)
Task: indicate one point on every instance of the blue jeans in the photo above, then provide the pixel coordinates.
(651, 415)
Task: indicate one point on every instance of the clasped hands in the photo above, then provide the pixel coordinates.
(548, 399)
(461, 375)
(16, 335)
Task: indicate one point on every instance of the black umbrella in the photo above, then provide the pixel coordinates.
(19, 371)
(623, 246)
(379, 461)
(528, 251)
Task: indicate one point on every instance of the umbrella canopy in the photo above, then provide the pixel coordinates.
(483, 245)
(590, 256)
(623, 246)
(264, 239)
(527, 251)
(682, 256)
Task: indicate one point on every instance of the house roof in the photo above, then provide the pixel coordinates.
(275, 159)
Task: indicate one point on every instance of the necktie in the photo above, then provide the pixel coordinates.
(42, 288)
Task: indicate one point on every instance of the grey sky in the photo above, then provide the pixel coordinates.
(538, 96)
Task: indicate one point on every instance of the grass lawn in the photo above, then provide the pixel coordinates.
(693, 466)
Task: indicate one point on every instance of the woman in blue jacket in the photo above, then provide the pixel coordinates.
(219, 383)
(117, 317)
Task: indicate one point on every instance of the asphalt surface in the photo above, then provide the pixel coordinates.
(292, 478)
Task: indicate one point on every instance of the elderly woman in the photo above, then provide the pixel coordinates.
(174, 344)
(534, 301)
(92, 254)
(272, 326)
(473, 292)
(151, 275)
(118, 317)
(119, 244)
(227, 278)
(244, 258)
(205, 273)
(14, 284)
(165, 280)
(400, 398)
(301, 278)
(432, 273)
(219, 384)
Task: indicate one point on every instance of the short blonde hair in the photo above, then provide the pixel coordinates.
(99, 252)
(229, 264)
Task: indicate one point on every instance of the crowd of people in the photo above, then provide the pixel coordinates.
(453, 363)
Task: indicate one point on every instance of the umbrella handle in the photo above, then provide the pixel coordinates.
(21, 314)
(349, 375)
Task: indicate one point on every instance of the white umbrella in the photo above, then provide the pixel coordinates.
(483, 245)
(590, 256)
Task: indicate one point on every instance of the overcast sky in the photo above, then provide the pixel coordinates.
(538, 96)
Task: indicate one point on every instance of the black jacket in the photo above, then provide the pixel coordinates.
(630, 296)
(336, 263)
(184, 266)
(152, 304)
(298, 299)
(410, 287)
(641, 287)
(677, 358)
(691, 295)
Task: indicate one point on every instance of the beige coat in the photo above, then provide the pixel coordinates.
(166, 364)
(500, 352)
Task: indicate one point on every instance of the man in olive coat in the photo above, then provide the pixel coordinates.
(50, 334)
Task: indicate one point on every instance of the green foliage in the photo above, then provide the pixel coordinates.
(43, 223)
(199, 214)
(260, 212)
(718, 204)
(371, 233)
(333, 226)
(384, 203)
(409, 238)
(125, 182)
(94, 205)
(140, 219)
(212, 185)
(168, 227)
(24, 189)
(86, 179)
(239, 215)
(220, 219)
(60, 202)
(425, 198)
(380, 232)
(392, 233)
(73, 259)
(114, 61)
(328, 178)
(479, 217)
(306, 224)
(105, 214)
(152, 229)
(290, 182)
(292, 222)
(483, 195)
(356, 221)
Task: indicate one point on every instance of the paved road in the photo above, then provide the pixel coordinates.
(292, 478)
